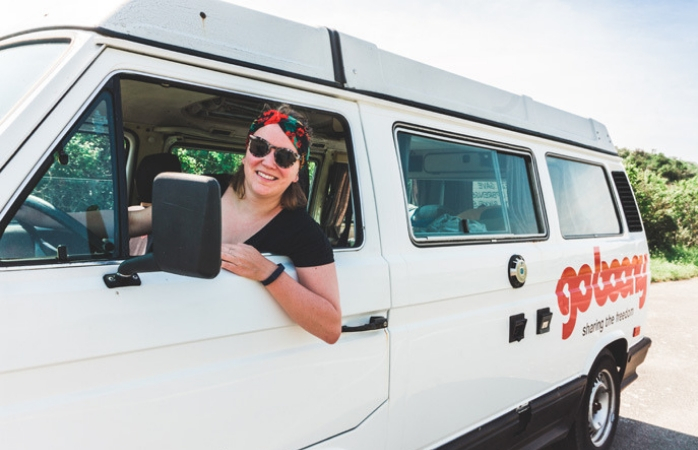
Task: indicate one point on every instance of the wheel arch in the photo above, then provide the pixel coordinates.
(619, 350)
(615, 343)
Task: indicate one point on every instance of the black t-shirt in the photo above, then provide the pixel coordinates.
(291, 233)
(295, 234)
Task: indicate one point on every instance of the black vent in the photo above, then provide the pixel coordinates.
(627, 200)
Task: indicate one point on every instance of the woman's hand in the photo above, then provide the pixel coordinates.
(246, 261)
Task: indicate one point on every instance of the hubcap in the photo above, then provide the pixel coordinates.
(601, 408)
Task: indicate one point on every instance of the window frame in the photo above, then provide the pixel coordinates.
(610, 189)
(109, 90)
(499, 147)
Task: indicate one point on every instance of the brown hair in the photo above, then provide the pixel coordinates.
(293, 197)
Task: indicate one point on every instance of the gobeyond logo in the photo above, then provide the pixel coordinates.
(607, 282)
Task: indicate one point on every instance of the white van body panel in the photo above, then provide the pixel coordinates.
(180, 362)
(155, 366)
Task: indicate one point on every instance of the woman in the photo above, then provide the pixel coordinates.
(263, 210)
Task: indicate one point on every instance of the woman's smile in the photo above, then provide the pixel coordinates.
(266, 176)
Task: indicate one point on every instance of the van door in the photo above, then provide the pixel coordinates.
(175, 362)
(463, 214)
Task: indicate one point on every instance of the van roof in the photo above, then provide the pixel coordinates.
(214, 28)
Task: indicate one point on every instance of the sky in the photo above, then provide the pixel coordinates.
(630, 64)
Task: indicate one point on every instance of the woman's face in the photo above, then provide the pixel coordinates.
(263, 176)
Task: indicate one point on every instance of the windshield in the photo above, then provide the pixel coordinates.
(22, 67)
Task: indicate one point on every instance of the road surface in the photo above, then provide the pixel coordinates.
(660, 409)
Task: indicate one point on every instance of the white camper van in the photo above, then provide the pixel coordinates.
(492, 263)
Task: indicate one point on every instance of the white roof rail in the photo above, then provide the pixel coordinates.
(370, 69)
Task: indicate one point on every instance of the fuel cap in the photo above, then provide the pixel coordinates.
(517, 271)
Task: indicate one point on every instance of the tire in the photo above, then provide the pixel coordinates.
(595, 425)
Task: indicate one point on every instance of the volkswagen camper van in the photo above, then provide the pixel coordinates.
(492, 262)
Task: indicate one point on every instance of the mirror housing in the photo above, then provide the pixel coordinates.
(186, 231)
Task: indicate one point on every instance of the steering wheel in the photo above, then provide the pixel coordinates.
(81, 232)
(424, 215)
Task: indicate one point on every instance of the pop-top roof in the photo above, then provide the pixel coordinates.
(230, 32)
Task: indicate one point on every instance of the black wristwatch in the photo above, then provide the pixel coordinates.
(274, 275)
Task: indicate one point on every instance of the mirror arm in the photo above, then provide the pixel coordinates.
(127, 274)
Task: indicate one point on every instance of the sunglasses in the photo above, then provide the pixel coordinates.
(284, 157)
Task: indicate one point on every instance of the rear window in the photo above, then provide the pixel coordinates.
(584, 199)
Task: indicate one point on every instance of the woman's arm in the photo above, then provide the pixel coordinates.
(312, 301)
(140, 222)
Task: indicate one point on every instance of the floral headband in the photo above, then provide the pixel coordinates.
(292, 127)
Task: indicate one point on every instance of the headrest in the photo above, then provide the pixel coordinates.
(150, 167)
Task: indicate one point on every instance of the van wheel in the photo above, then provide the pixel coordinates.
(597, 420)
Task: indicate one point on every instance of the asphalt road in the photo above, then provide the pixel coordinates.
(660, 409)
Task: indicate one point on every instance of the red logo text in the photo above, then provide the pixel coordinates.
(606, 282)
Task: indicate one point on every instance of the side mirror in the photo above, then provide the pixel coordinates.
(186, 231)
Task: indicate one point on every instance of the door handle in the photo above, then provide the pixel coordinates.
(374, 323)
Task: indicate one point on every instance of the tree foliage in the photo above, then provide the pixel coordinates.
(204, 161)
(671, 169)
(666, 190)
(80, 178)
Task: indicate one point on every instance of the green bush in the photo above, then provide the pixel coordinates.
(653, 200)
(666, 190)
(679, 264)
(684, 210)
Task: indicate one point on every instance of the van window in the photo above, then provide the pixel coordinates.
(456, 190)
(24, 65)
(583, 197)
(69, 214)
(207, 129)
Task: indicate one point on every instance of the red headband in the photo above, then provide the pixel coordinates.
(292, 127)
